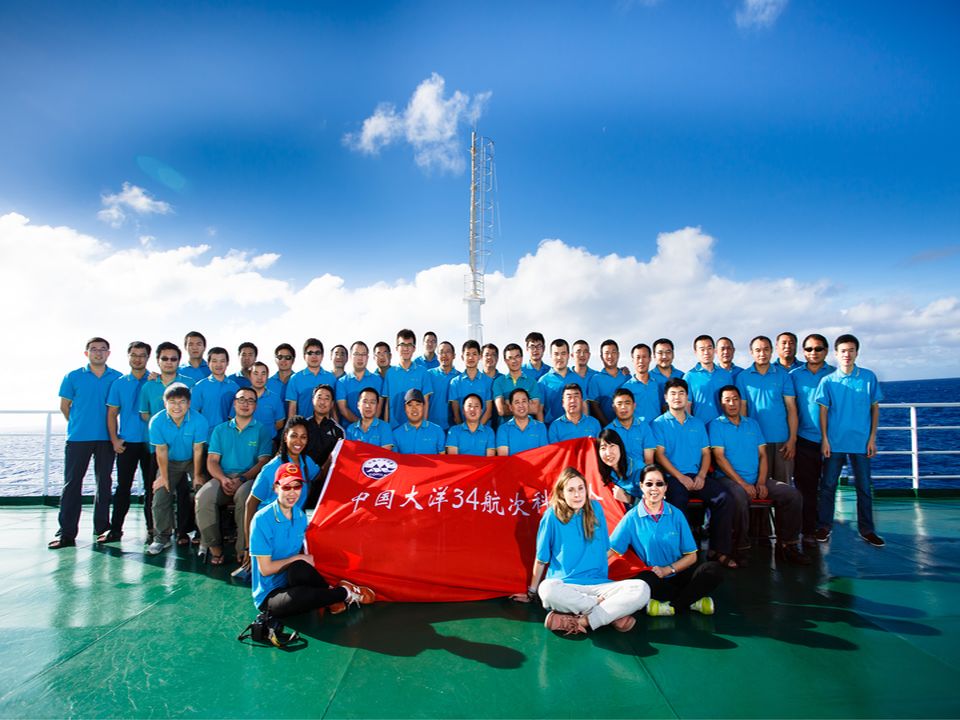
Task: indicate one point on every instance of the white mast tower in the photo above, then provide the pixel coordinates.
(482, 186)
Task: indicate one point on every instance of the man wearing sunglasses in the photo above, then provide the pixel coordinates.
(284, 355)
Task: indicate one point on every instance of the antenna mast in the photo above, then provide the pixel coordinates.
(482, 185)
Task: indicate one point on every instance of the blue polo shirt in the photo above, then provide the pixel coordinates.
(239, 450)
(734, 371)
(805, 384)
(87, 394)
(193, 430)
(630, 484)
(659, 543)
(301, 385)
(278, 386)
(505, 384)
(848, 399)
(739, 443)
(703, 389)
(551, 392)
(572, 557)
(563, 429)
(427, 364)
(661, 379)
(195, 373)
(471, 443)
(600, 388)
(462, 385)
(530, 370)
(791, 368)
(270, 408)
(151, 394)
(379, 433)
(262, 488)
(213, 399)
(510, 436)
(683, 443)
(428, 439)
(349, 386)
(240, 379)
(395, 386)
(648, 398)
(765, 394)
(636, 439)
(439, 384)
(275, 537)
(124, 394)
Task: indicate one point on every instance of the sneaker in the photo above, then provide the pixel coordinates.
(564, 622)
(158, 546)
(823, 534)
(356, 595)
(873, 539)
(658, 608)
(625, 624)
(704, 606)
(242, 575)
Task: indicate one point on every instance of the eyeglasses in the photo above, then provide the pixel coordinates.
(292, 486)
(311, 353)
(654, 484)
(818, 348)
(169, 359)
(284, 357)
(246, 400)
(405, 345)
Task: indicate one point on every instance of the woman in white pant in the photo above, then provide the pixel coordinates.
(573, 543)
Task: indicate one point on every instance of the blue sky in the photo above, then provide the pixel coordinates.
(818, 145)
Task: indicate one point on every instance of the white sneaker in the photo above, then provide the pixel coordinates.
(704, 606)
(158, 546)
(657, 607)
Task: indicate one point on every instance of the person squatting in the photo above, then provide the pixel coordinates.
(775, 431)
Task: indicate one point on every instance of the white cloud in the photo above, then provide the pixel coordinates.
(759, 13)
(130, 199)
(429, 123)
(82, 287)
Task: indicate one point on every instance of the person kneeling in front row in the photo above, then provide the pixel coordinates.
(659, 534)
(573, 540)
(285, 582)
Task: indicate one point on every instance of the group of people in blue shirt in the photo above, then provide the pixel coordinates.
(774, 432)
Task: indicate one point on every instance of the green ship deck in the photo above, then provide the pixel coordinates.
(104, 631)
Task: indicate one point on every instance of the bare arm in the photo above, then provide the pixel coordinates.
(790, 447)
(487, 412)
(663, 461)
(874, 421)
(163, 468)
(824, 443)
(535, 576)
(345, 412)
(198, 477)
(65, 408)
(118, 445)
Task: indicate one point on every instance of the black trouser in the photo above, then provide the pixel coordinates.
(721, 509)
(687, 586)
(306, 590)
(77, 454)
(134, 455)
(806, 476)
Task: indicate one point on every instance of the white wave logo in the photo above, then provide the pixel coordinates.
(378, 468)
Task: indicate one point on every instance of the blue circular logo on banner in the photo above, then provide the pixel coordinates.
(378, 468)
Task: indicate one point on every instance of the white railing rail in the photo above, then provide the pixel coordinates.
(914, 428)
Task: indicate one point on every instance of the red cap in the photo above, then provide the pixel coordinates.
(288, 472)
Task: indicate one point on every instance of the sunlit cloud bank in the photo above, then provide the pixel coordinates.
(59, 286)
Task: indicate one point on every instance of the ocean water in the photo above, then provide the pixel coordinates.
(22, 450)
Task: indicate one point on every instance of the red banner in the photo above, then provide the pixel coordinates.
(439, 528)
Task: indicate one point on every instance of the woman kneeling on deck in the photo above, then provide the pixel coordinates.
(658, 532)
(285, 582)
(573, 541)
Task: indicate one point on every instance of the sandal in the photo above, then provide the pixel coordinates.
(183, 540)
(217, 559)
(725, 560)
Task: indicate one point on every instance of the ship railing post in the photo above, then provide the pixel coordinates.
(914, 449)
(46, 455)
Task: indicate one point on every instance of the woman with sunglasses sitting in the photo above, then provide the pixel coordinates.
(658, 533)
(285, 582)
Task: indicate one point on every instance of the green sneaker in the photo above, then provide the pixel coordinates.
(703, 606)
(657, 608)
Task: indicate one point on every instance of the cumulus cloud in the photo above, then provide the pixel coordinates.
(130, 199)
(429, 124)
(153, 293)
(759, 13)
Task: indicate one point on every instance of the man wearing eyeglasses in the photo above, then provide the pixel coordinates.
(404, 376)
(238, 449)
(535, 367)
(212, 397)
(83, 403)
(808, 465)
(358, 379)
(301, 386)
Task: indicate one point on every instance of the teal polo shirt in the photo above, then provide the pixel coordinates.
(659, 543)
(636, 439)
(572, 557)
(601, 387)
(808, 409)
(274, 536)
(740, 444)
(379, 433)
(510, 436)
(469, 442)
(349, 387)
(682, 442)
(648, 399)
(87, 394)
(848, 399)
(301, 385)
(151, 394)
(765, 395)
(551, 391)
(439, 383)
(395, 386)
(180, 440)
(563, 429)
(238, 449)
(124, 394)
(213, 398)
(428, 439)
(703, 389)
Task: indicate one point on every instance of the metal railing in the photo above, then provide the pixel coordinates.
(46, 459)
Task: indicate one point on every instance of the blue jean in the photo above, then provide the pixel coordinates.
(832, 466)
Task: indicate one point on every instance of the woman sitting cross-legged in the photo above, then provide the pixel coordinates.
(572, 541)
(285, 582)
(658, 533)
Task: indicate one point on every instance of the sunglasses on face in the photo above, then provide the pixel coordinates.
(654, 484)
(284, 357)
(292, 486)
(818, 348)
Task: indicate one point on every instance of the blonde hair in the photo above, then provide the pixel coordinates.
(563, 511)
